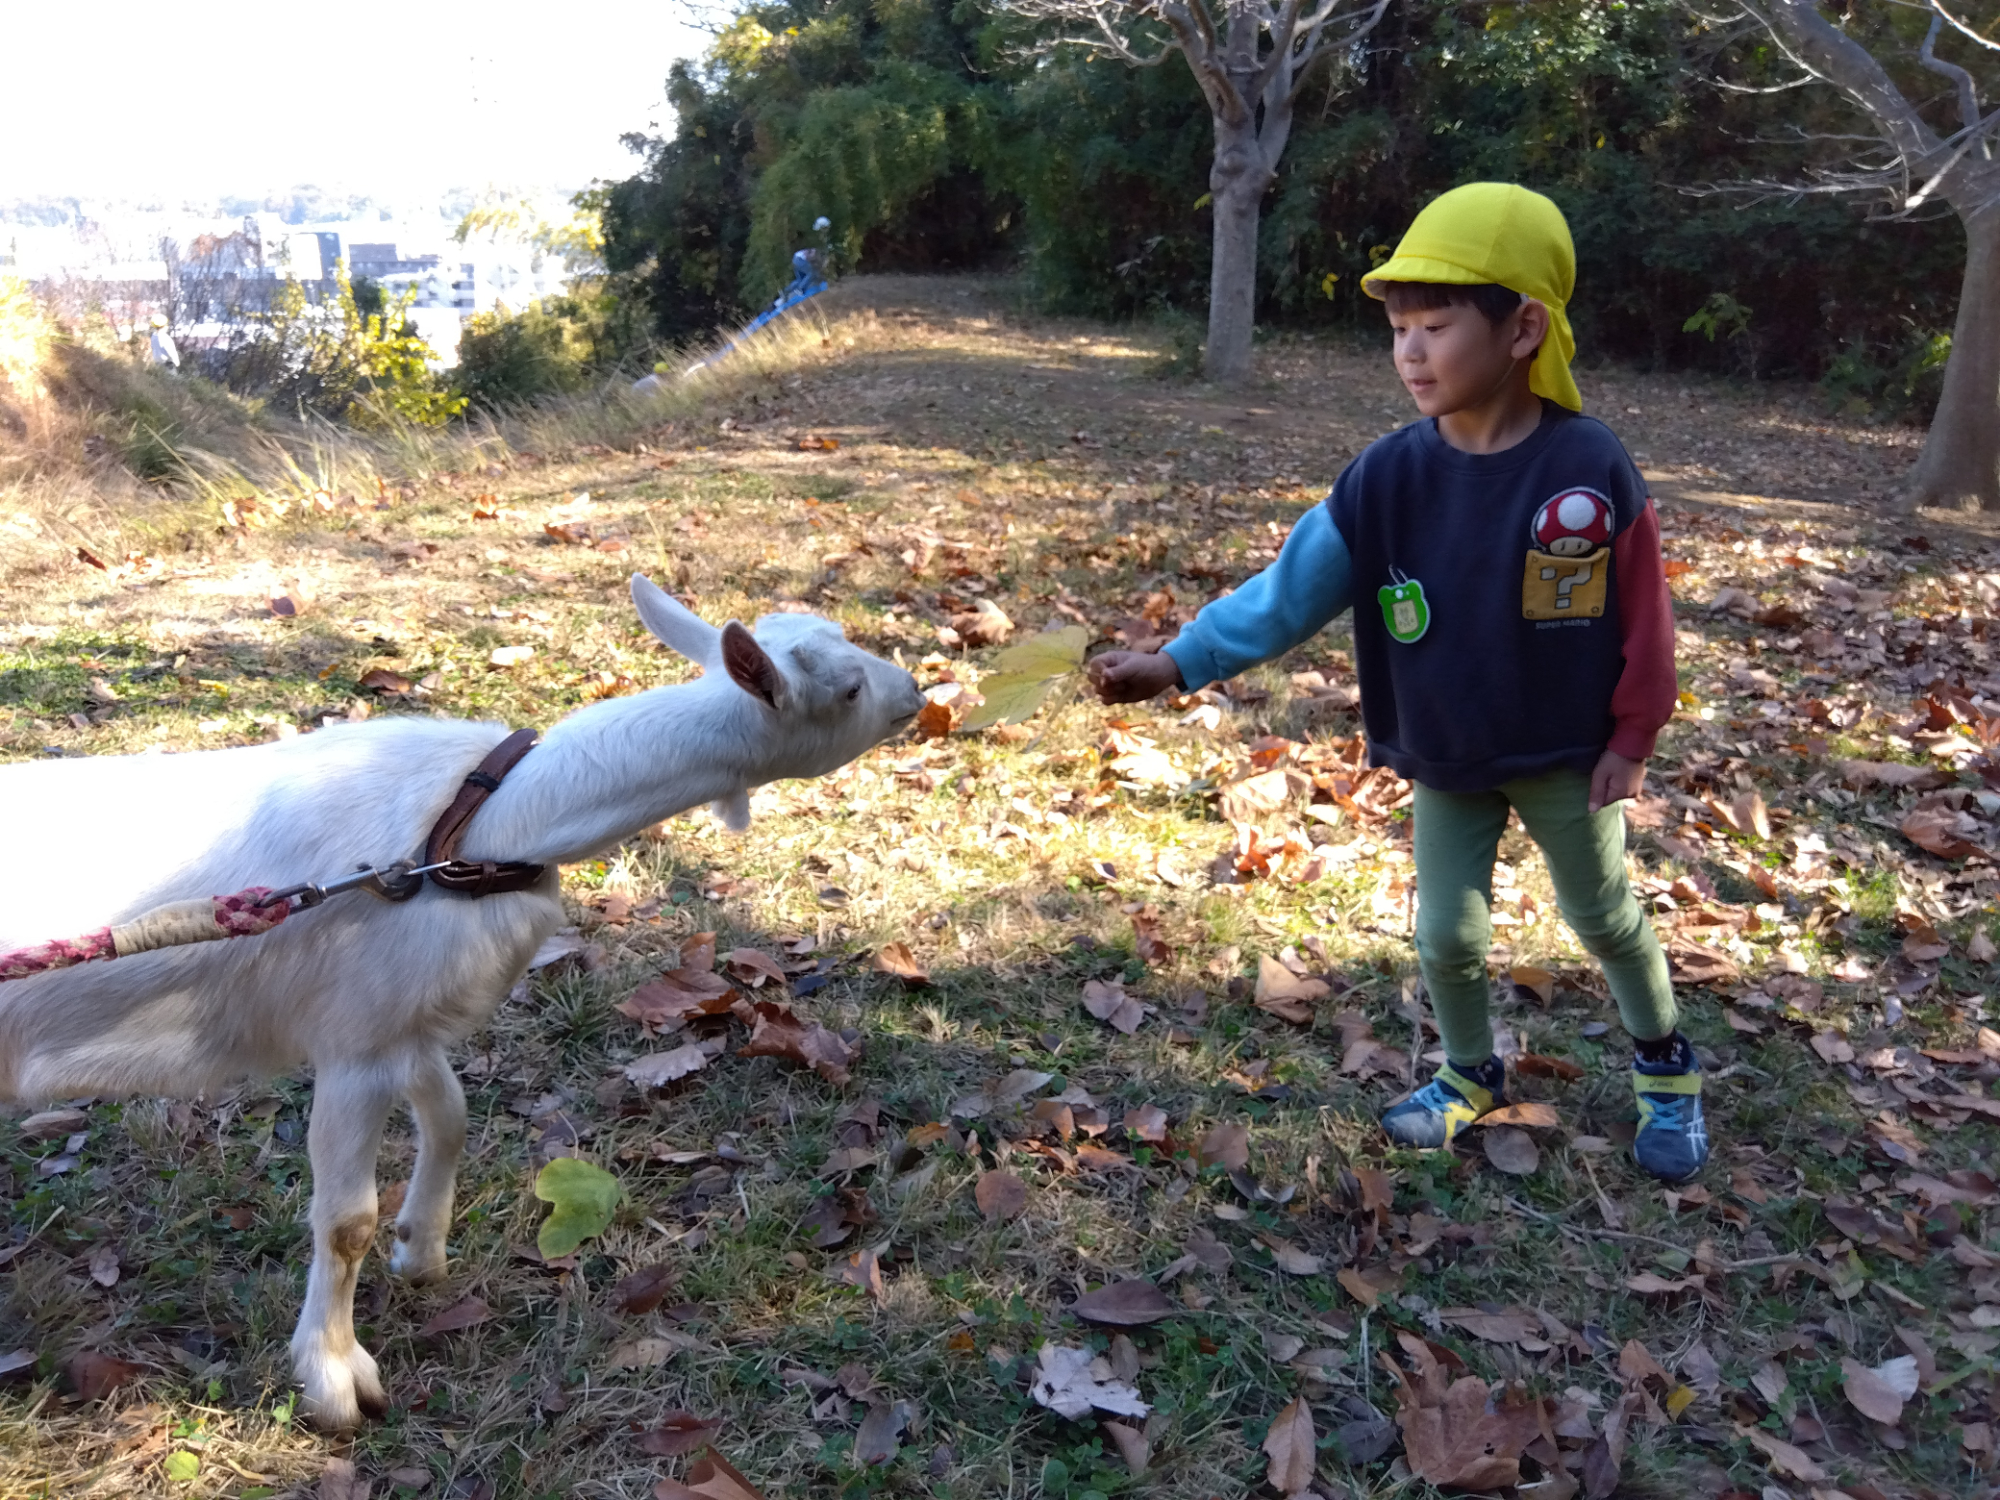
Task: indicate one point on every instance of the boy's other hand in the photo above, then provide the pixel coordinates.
(1615, 779)
(1132, 676)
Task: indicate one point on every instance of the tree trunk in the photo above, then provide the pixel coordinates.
(1236, 183)
(1960, 466)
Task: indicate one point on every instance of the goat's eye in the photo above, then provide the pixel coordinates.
(854, 692)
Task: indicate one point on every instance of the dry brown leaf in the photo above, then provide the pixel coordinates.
(1981, 949)
(94, 1375)
(1469, 1439)
(1131, 1445)
(779, 1033)
(1072, 1382)
(338, 1481)
(1148, 941)
(104, 1265)
(1125, 1304)
(1537, 982)
(1378, 1189)
(675, 996)
(863, 1269)
(1107, 1000)
(657, 1069)
(1879, 1393)
(1284, 994)
(1000, 1195)
(643, 1290)
(1511, 1326)
(1935, 830)
(1147, 1123)
(679, 1432)
(711, 1477)
(1227, 1145)
(1291, 1446)
(1531, 1114)
(1539, 1065)
(1512, 1151)
(881, 1434)
(1358, 1286)
(752, 967)
(1788, 1461)
(897, 959)
(464, 1314)
(1293, 1261)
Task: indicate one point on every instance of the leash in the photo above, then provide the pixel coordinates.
(255, 911)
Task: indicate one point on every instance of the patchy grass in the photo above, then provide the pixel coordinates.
(1045, 467)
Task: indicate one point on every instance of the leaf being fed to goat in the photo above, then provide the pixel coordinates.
(1024, 673)
(585, 1197)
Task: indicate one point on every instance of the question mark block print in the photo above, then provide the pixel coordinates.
(1565, 588)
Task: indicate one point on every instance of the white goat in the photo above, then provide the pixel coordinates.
(371, 994)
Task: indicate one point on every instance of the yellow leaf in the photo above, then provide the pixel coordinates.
(1679, 1399)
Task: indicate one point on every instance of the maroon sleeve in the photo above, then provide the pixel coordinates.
(1647, 689)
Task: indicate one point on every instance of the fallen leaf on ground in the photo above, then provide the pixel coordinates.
(863, 1269)
(752, 967)
(104, 1265)
(1131, 1445)
(711, 1477)
(465, 1314)
(679, 1432)
(1125, 1304)
(1108, 1001)
(1284, 994)
(1512, 1326)
(1535, 1065)
(881, 1432)
(1226, 1145)
(585, 1196)
(97, 1375)
(1934, 829)
(1293, 1261)
(897, 959)
(1000, 1196)
(338, 1481)
(1068, 1383)
(1000, 1094)
(657, 1069)
(1789, 1462)
(1539, 983)
(1512, 1151)
(1291, 1447)
(1147, 1123)
(780, 1033)
(1879, 1393)
(643, 1290)
(1531, 1113)
(1463, 1434)
(1148, 941)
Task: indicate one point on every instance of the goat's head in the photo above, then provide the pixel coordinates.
(827, 699)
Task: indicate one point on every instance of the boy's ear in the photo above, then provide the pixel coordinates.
(1531, 328)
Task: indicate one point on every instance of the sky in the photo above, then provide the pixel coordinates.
(387, 97)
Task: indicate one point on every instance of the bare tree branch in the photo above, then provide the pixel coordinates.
(1968, 91)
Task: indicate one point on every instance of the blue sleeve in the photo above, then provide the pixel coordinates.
(1311, 582)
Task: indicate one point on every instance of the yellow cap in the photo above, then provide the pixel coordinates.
(1503, 233)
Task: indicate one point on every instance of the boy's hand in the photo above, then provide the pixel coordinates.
(1132, 676)
(1615, 779)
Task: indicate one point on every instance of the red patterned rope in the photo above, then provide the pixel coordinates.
(169, 926)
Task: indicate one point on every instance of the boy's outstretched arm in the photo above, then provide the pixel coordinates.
(1648, 688)
(1311, 582)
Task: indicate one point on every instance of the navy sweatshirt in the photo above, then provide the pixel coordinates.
(1511, 614)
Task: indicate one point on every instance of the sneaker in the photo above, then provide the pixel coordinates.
(1672, 1142)
(1447, 1104)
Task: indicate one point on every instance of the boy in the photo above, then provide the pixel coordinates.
(1513, 638)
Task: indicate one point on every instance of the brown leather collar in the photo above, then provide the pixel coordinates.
(483, 877)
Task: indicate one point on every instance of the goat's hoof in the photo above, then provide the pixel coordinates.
(420, 1266)
(338, 1393)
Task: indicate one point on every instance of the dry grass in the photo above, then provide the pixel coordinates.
(1038, 463)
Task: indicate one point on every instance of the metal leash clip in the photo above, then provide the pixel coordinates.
(397, 882)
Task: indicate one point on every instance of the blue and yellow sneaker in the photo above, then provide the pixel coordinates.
(1672, 1142)
(1452, 1100)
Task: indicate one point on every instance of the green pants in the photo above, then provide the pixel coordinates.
(1457, 837)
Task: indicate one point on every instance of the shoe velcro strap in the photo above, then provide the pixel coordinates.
(1666, 1083)
(1481, 1099)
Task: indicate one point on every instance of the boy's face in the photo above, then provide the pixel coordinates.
(1452, 358)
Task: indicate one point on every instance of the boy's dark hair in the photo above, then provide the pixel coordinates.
(1489, 298)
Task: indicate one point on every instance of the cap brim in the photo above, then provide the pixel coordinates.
(1420, 268)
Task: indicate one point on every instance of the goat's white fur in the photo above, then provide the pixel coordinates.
(372, 994)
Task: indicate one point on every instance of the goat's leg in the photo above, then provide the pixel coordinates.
(439, 1105)
(338, 1376)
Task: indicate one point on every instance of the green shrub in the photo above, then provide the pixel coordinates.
(550, 347)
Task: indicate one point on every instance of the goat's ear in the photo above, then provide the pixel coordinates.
(748, 665)
(674, 625)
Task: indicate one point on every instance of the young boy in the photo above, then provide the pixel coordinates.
(1513, 637)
